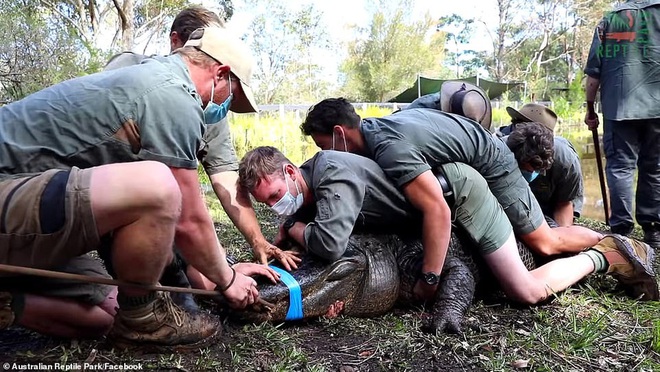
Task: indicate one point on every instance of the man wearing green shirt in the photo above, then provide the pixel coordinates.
(216, 152)
(113, 156)
(218, 158)
(409, 144)
(335, 194)
(623, 63)
(560, 188)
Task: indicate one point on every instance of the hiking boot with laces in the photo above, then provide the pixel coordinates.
(162, 324)
(631, 263)
(7, 316)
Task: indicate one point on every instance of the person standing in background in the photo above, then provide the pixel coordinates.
(623, 63)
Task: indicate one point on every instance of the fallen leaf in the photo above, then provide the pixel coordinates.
(365, 353)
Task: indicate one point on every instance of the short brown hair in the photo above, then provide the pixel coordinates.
(532, 143)
(190, 19)
(260, 163)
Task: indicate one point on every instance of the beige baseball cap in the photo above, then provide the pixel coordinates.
(222, 46)
(534, 112)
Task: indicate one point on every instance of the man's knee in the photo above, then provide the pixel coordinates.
(148, 187)
(162, 190)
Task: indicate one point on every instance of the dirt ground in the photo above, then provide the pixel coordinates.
(390, 342)
(591, 328)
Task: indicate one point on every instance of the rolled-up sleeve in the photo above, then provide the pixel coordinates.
(339, 197)
(217, 152)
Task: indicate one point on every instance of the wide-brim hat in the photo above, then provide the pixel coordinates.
(229, 50)
(534, 112)
(465, 99)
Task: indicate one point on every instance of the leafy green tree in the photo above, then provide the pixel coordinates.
(35, 51)
(43, 42)
(394, 51)
(285, 40)
(127, 20)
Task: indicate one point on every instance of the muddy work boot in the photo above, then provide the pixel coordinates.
(7, 316)
(161, 325)
(631, 263)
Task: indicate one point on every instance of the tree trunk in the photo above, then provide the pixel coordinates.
(126, 14)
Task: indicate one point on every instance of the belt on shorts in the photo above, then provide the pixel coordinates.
(446, 188)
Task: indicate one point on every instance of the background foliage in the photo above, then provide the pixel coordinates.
(541, 42)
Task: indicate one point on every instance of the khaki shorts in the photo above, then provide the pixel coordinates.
(519, 203)
(89, 293)
(46, 219)
(476, 209)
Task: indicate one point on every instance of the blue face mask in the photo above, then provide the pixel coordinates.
(213, 112)
(529, 176)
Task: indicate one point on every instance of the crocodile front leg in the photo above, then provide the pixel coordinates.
(454, 296)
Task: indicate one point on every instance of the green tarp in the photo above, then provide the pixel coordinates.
(428, 86)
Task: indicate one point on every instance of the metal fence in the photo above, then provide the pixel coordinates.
(394, 106)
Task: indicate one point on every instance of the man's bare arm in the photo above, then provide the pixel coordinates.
(564, 213)
(425, 193)
(196, 238)
(591, 88)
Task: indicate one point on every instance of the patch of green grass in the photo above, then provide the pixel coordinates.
(591, 327)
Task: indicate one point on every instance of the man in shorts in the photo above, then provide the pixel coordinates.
(218, 157)
(335, 194)
(411, 143)
(113, 156)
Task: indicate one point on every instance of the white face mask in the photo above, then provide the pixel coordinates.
(288, 204)
(333, 141)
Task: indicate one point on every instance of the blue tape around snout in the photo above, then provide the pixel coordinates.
(295, 295)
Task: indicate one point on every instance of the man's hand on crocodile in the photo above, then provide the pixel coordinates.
(252, 269)
(335, 309)
(265, 251)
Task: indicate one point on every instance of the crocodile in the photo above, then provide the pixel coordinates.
(375, 272)
(365, 281)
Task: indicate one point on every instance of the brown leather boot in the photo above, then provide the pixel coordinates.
(162, 325)
(631, 263)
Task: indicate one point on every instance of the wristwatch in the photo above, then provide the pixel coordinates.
(288, 224)
(431, 278)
